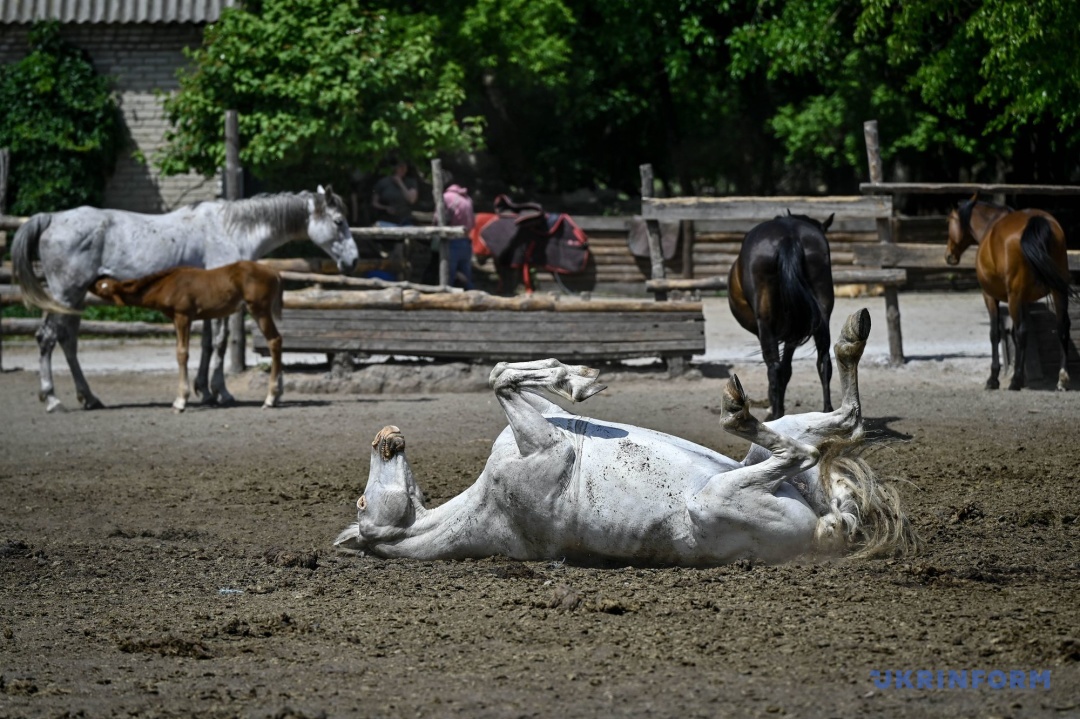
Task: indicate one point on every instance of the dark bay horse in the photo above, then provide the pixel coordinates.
(1021, 259)
(781, 289)
(188, 294)
(74, 246)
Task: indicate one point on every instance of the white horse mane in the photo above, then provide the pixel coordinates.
(287, 213)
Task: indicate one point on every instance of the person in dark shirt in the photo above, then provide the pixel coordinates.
(394, 196)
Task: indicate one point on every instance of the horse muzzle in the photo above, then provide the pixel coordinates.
(951, 259)
(346, 267)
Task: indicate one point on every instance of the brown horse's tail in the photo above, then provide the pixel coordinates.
(23, 248)
(1035, 243)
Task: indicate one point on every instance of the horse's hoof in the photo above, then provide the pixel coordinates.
(93, 403)
(1015, 386)
(857, 327)
(992, 384)
(226, 400)
(52, 404)
(735, 414)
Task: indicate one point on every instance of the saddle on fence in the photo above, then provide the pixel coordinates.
(523, 236)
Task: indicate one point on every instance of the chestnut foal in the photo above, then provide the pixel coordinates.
(187, 294)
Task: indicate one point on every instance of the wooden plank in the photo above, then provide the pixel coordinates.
(763, 208)
(840, 277)
(925, 256)
(502, 321)
(963, 188)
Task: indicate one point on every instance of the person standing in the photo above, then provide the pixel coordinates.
(459, 212)
(394, 196)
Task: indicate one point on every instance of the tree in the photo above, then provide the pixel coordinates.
(323, 88)
(957, 86)
(61, 123)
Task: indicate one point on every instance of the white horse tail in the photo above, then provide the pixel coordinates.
(865, 511)
(23, 249)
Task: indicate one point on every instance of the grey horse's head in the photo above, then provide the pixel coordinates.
(391, 500)
(328, 227)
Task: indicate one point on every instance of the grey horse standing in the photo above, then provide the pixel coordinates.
(75, 246)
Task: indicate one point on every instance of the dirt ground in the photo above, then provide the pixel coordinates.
(163, 565)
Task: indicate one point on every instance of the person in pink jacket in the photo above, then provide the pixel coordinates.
(459, 211)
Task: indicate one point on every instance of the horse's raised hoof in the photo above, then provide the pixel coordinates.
(735, 414)
(853, 334)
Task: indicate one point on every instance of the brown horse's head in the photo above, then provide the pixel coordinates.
(108, 288)
(960, 235)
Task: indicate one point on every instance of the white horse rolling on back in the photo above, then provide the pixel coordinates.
(75, 246)
(558, 485)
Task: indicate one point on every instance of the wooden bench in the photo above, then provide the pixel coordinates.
(474, 325)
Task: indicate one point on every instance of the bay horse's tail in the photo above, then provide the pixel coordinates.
(1035, 243)
(800, 314)
(23, 249)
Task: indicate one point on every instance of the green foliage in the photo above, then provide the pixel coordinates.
(61, 123)
(320, 86)
(95, 312)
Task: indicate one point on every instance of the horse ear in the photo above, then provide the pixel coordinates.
(827, 223)
(329, 192)
(321, 190)
(975, 197)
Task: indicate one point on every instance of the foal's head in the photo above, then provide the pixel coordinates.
(107, 289)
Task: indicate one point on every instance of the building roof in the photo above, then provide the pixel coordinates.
(113, 11)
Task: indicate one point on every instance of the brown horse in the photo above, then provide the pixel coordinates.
(1021, 259)
(187, 294)
(780, 288)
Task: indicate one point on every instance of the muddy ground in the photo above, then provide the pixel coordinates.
(154, 564)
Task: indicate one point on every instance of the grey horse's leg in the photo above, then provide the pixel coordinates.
(67, 334)
(532, 432)
(46, 339)
(217, 363)
(202, 376)
(846, 420)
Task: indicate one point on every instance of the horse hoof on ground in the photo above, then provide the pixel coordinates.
(52, 404)
(226, 400)
(992, 384)
(1015, 386)
(92, 403)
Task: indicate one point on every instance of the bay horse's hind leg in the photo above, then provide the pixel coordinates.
(1064, 324)
(1018, 312)
(68, 337)
(994, 310)
(512, 383)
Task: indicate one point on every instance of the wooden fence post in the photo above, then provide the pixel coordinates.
(885, 235)
(5, 162)
(656, 254)
(234, 191)
(440, 220)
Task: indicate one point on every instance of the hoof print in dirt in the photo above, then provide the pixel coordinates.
(167, 646)
(564, 598)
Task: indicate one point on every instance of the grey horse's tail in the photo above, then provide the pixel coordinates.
(866, 515)
(22, 250)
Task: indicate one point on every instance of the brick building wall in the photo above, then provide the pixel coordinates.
(142, 60)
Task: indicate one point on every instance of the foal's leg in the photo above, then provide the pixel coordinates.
(532, 432)
(273, 341)
(824, 364)
(1019, 314)
(1061, 309)
(183, 342)
(994, 309)
(217, 363)
(68, 337)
